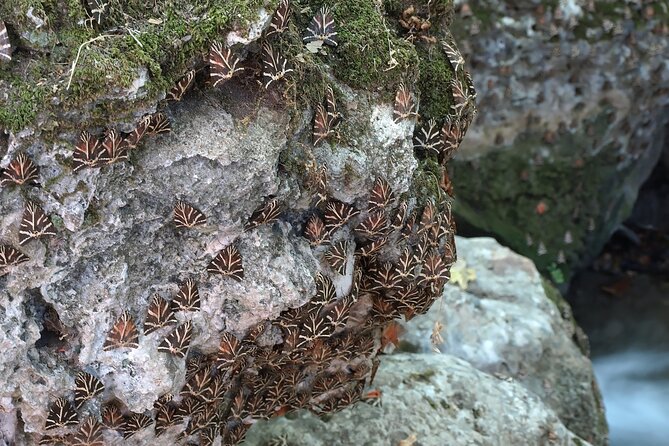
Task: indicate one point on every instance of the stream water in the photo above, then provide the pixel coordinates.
(629, 337)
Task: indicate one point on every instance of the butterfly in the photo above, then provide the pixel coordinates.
(158, 124)
(275, 66)
(268, 212)
(322, 28)
(87, 152)
(133, 138)
(429, 138)
(454, 55)
(87, 387)
(112, 415)
(188, 297)
(177, 342)
(405, 107)
(179, 89)
(186, 216)
(228, 262)
(61, 413)
(89, 434)
(230, 350)
(222, 64)
(374, 225)
(280, 18)
(165, 417)
(337, 256)
(337, 214)
(34, 224)
(158, 315)
(315, 231)
(5, 45)
(21, 170)
(381, 194)
(123, 333)
(114, 149)
(10, 256)
(134, 423)
(327, 118)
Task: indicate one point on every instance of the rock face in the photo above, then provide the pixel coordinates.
(574, 107)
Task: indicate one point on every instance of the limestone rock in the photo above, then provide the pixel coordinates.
(507, 323)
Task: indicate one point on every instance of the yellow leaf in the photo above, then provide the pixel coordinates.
(461, 275)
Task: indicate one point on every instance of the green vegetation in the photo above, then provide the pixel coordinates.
(434, 83)
(176, 38)
(426, 181)
(371, 55)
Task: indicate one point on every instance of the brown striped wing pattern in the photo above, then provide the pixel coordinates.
(87, 387)
(123, 333)
(34, 224)
(177, 342)
(21, 170)
(158, 315)
(187, 216)
(228, 263)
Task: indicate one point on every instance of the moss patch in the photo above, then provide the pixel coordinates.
(177, 37)
(425, 185)
(434, 83)
(371, 55)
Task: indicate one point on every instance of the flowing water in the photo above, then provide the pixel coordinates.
(629, 336)
(635, 385)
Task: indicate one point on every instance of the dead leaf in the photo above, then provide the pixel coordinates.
(435, 337)
(409, 441)
(461, 275)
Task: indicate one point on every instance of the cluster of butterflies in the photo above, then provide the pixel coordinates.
(330, 345)
(567, 239)
(34, 223)
(91, 151)
(441, 141)
(398, 254)
(224, 63)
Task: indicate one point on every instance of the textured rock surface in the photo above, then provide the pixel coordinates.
(506, 323)
(117, 246)
(441, 400)
(574, 105)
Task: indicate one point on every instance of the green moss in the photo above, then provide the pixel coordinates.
(434, 83)
(25, 100)
(57, 222)
(553, 294)
(109, 66)
(369, 54)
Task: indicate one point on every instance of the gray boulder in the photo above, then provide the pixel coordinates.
(509, 322)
